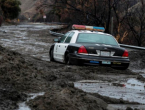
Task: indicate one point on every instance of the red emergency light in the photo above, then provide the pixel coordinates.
(91, 28)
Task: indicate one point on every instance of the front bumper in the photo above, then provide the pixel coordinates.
(98, 60)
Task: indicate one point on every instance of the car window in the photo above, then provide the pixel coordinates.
(69, 37)
(96, 38)
(63, 37)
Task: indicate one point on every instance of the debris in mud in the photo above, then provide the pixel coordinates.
(118, 84)
(135, 84)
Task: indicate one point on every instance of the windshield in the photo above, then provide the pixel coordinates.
(96, 38)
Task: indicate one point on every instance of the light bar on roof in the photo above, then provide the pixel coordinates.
(91, 28)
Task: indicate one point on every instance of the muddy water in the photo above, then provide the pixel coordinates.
(124, 106)
(23, 106)
(27, 39)
(132, 90)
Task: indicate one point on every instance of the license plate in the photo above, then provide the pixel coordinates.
(105, 53)
(97, 62)
(106, 62)
(116, 63)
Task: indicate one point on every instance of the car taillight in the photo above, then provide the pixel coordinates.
(82, 49)
(125, 54)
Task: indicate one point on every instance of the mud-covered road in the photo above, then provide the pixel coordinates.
(28, 81)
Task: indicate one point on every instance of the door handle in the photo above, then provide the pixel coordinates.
(59, 45)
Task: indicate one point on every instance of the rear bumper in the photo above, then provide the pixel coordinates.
(97, 60)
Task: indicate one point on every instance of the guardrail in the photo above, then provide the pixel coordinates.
(132, 47)
(55, 33)
(122, 45)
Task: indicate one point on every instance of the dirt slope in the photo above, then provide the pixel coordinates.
(27, 4)
(28, 7)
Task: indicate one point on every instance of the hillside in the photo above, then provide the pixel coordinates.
(28, 8)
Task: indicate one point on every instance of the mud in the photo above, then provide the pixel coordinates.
(10, 98)
(25, 69)
(137, 61)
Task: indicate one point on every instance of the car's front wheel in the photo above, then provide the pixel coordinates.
(51, 55)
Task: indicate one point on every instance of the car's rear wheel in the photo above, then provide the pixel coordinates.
(121, 68)
(79, 63)
(67, 59)
(51, 55)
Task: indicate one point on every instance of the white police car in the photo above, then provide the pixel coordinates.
(88, 46)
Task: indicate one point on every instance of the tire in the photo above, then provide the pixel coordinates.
(51, 56)
(67, 60)
(123, 68)
(120, 68)
(79, 62)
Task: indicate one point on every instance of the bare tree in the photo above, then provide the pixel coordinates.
(1, 16)
(81, 11)
(129, 17)
(93, 12)
(136, 22)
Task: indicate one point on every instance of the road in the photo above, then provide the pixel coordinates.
(30, 39)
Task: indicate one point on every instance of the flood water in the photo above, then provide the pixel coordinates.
(124, 106)
(27, 39)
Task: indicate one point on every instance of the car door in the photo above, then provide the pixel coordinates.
(61, 47)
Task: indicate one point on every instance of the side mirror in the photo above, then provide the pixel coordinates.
(56, 40)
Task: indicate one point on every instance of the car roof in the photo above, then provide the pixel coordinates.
(87, 31)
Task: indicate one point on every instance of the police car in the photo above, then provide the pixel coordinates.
(89, 45)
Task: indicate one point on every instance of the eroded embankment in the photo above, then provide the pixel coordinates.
(26, 74)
